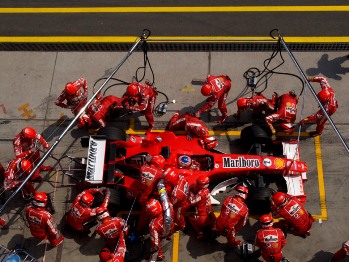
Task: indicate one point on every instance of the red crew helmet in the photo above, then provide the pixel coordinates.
(242, 102)
(210, 142)
(105, 254)
(132, 89)
(71, 88)
(184, 161)
(241, 191)
(324, 96)
(203, 181)
(266, 220)
(87, 199)
(29, 132)
(279, 198)
(102, 213)
(39, 199)
(153, 207)
(206, 89)
(158, 160)
(171, 175)
(26, 166)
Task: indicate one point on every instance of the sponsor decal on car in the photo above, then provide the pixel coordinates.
(267, 162)
(279, 163)
(240, 162)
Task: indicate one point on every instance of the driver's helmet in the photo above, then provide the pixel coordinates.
(184, 161)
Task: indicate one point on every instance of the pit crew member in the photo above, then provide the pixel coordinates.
(258, 103)
(97, 112)
(193, 127)
(144, 95)
(179, 188)
(75, 94)
(296, 218)
(24, 145)
(149, 176)
(270, 240)
(156, 229)
(81, 215)
(40, 221)
(329, 102)
(16, 171)
(110, 229)
(201, 200)
(285, 115)
(341, 253)
(217, 89)
(233, 216)
(118, 256)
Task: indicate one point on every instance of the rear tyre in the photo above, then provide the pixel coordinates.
(112, 133)
(258, 200)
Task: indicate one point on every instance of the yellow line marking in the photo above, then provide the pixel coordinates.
(319, 166)
(173, 9)
(175, 247)
(188, 88)
(172, 39)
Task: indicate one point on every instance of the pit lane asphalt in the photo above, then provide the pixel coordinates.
(31, 81)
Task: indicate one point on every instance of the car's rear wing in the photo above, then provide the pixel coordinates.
(95, 159)
(294, 180)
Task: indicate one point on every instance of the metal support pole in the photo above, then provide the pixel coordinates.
(141, 39)
(313, 92)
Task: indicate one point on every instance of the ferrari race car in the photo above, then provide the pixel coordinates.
(114, 161)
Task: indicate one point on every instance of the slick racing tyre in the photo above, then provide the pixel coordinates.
(258, 200)
(112, 133)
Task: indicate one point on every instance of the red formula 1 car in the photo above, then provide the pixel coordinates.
(115, 161)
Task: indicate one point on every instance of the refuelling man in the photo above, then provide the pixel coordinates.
(81, 215)
(179, 195)
(75, 94)
(286, 113)
(111, 229)
(217, 89)
(24, 145)
(149, 176)
(328, 101)
(233, 216)
(145, 96)
(204, 217)
(40, 221)
(296, 218)
(270, 240)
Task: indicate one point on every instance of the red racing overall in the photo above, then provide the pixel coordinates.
(330, 106)
(191, 124)
(285, 115)
(78, 215)
(76, 101)
(296, 218)
(146, 101)
(42, 225)
(270, 241)
(233, 217)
